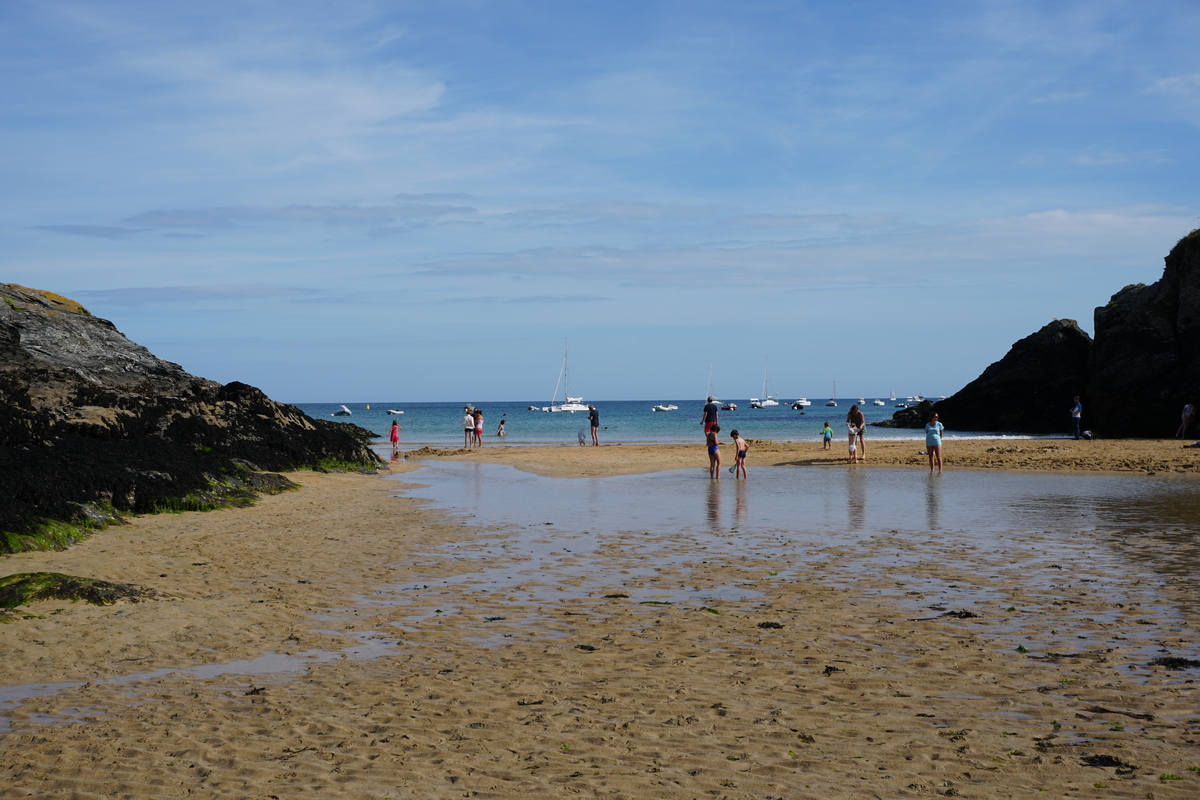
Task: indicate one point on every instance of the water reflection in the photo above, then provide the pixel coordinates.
(739, 514)
(933, 502)
(714, 505)
(856, 498)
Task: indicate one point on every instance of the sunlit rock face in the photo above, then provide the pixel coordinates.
(1145, 363)
(92, 423)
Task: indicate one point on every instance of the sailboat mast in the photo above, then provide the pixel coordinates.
(566, 372)
(709, 393)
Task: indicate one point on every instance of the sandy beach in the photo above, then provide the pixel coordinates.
(338, 642)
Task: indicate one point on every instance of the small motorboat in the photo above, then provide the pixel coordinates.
(666, 407)
(878, 402)
(729, 407)
(802, 402)
(394, 411)
(345, 412)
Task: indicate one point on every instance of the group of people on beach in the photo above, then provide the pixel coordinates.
(711, 440)
(856, 424)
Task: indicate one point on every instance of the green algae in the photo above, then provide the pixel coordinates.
(29, 587)
(48, 534)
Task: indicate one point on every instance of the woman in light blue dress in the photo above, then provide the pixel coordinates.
(933, 442)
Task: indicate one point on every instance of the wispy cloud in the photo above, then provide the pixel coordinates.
(170, 295)
(1059, 97)
(1186, 85)
(91, 231)
(364, 216)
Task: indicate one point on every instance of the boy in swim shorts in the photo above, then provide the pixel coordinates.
(741, 446)
(827, 437)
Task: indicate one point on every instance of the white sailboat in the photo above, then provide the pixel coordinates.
(768, 399)
(892, 396)
(571, 404)
(833, 397)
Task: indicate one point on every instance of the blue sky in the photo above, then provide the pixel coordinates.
(421, 201)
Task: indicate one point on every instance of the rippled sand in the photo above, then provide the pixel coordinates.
(839, 676)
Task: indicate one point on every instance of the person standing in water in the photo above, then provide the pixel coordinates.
(855, 417)
(714, 451)
(500, 431)
(740, 446)
(468, 427)
(711, 411)
(933, 442)
(394, 438)
(594, 418)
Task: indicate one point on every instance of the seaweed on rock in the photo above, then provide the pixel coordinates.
(29, 587)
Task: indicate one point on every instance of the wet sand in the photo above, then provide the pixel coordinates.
(1118, 455)
(834, 679)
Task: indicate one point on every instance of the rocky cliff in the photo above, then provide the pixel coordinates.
(1145, 363)
(1134, 377)
(93, 425)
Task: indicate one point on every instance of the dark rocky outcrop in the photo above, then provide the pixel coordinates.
(1134, 377)
(911, 417)
(1023, 391)
(1145, 363)
(93, 425)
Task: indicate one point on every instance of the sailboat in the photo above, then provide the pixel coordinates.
(833, 397)
(571, 404)
(768, 399)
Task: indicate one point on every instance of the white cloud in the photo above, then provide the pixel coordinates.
(1185, 85)
(191, 295)
(1059, 97)
(369, 216)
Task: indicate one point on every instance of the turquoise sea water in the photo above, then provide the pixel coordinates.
(625, 421)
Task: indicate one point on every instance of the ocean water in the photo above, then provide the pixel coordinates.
(625, 421)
